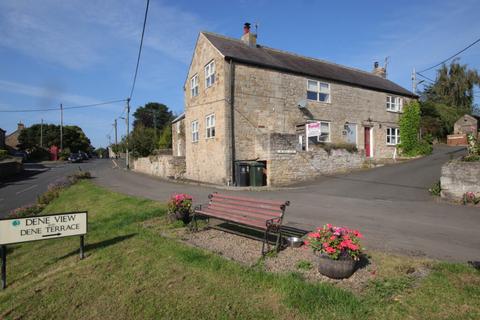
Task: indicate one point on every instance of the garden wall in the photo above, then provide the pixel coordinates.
(459, 177)
(164, 166)
(286, 164)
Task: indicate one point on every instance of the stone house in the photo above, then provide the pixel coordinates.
(178, 136)
(11, 140)
(244, 101)
(2, 138)
(461, 128)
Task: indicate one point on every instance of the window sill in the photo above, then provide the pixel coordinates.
(391, 111)
(321, 102)
(392, 145)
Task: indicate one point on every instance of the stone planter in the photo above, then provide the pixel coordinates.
(336, 269)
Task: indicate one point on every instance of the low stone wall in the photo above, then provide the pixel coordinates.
(10, 168)
(164, 166)
(459, 177)
(286, 164)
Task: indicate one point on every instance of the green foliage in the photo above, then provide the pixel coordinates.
(152, 115)
(304, 265)
(101, 152)
(39, 154)
(142, 141)
(165, 141)
(328, 147)
(64, 154)
(73, 137)
(410, 120)
(3, 154)
(454, 86)
(435, 189)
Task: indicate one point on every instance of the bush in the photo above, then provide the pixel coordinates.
(39, 154)
(3, 154)
(64, 154)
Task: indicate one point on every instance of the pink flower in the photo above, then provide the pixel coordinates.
(314, 235)
(330, 250)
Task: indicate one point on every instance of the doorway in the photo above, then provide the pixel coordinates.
(368, 142)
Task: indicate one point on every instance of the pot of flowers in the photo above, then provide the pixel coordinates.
(338, 250)
(180, 207)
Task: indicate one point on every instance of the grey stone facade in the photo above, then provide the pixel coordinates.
(266, 110)
(459, 177)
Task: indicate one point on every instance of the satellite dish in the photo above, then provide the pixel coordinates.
(302, 104)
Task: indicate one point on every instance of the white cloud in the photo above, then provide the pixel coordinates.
(79, 34)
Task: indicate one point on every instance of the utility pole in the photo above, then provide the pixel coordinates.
(61, 127)
(128, 132)
(414, 81)
(41, 134)
(115, 126)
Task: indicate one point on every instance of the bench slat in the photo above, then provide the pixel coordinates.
(221, 211)
(246, 211)
(270, 202)
(247, 204)
(237, 219)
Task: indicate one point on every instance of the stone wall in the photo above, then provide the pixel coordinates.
(286, 164)
(459, 177)
(164, 166)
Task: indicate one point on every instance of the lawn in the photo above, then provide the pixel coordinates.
(131, 272)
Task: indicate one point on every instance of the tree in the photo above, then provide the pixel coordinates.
(152, 115)
(454, 87)
(142, 141)
(165, 141)
(73, 137)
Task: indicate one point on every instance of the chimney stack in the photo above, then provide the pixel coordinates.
(249, 38)
(20, 126)
(379, 71)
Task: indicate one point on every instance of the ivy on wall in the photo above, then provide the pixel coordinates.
(409, 122)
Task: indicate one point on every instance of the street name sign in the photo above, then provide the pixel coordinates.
(43, 227)
(52, 226)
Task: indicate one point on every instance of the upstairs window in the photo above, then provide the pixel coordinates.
(210, 74)
(210, 120)
(394, 104)
(318, 91)
(194, 85)
(393, 136)
(194, 131)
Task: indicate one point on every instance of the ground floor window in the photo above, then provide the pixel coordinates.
(194, 131)
(393, 136)
(210, 120)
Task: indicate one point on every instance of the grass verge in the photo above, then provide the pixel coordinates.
(131, 272)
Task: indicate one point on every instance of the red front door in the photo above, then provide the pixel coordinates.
(367, 142)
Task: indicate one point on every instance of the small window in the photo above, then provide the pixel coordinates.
(394, 104)
(393, 136)
(318, 91)
(210, 74)
(324, 132)
(210, 120)
(194, 131)
(194, 85)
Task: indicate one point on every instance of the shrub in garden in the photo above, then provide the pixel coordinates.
(410, 144)
(338, 243)
(3, 154)
(473, 149)
(180, 207)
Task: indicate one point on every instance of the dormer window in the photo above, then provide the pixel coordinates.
(318, 91)
(210, 74)
(394, 104)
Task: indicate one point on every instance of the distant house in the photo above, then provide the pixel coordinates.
(2, 138)
(11, 140)
(467, 124)
(178, 136)
(247, 102)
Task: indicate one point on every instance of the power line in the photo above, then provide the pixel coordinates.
(426, 78)
(453, 56)
(139, 50)
(66, 107)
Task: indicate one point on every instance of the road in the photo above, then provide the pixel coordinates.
(24, 189)
(390, 205)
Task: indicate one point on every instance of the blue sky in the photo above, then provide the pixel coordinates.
(84, 51)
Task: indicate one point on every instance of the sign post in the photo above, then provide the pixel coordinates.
(19, 230)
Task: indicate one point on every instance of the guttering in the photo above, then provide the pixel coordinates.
(232, 119)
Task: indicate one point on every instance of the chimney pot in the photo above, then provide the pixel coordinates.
(249, 38)
(379, 71)
(246, 28)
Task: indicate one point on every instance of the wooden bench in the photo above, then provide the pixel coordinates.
(263, 215)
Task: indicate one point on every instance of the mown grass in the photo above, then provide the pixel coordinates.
(131, 272)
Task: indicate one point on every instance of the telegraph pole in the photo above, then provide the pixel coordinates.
(116, 141)
(61, 127)
(128, 132)
(41, 134)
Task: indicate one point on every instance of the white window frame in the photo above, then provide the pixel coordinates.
(194, 86)
(179, 146)
(320, 90)
(195, 131)
(178, 127)
(210, 74)
(329, 136)
(394, 104)
(392, 134)
(210, 126)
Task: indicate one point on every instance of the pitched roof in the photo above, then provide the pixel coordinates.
(280, 60)
(180, 117)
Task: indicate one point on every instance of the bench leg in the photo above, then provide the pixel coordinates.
(265, 243)
(279, 240)
(195, 225)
